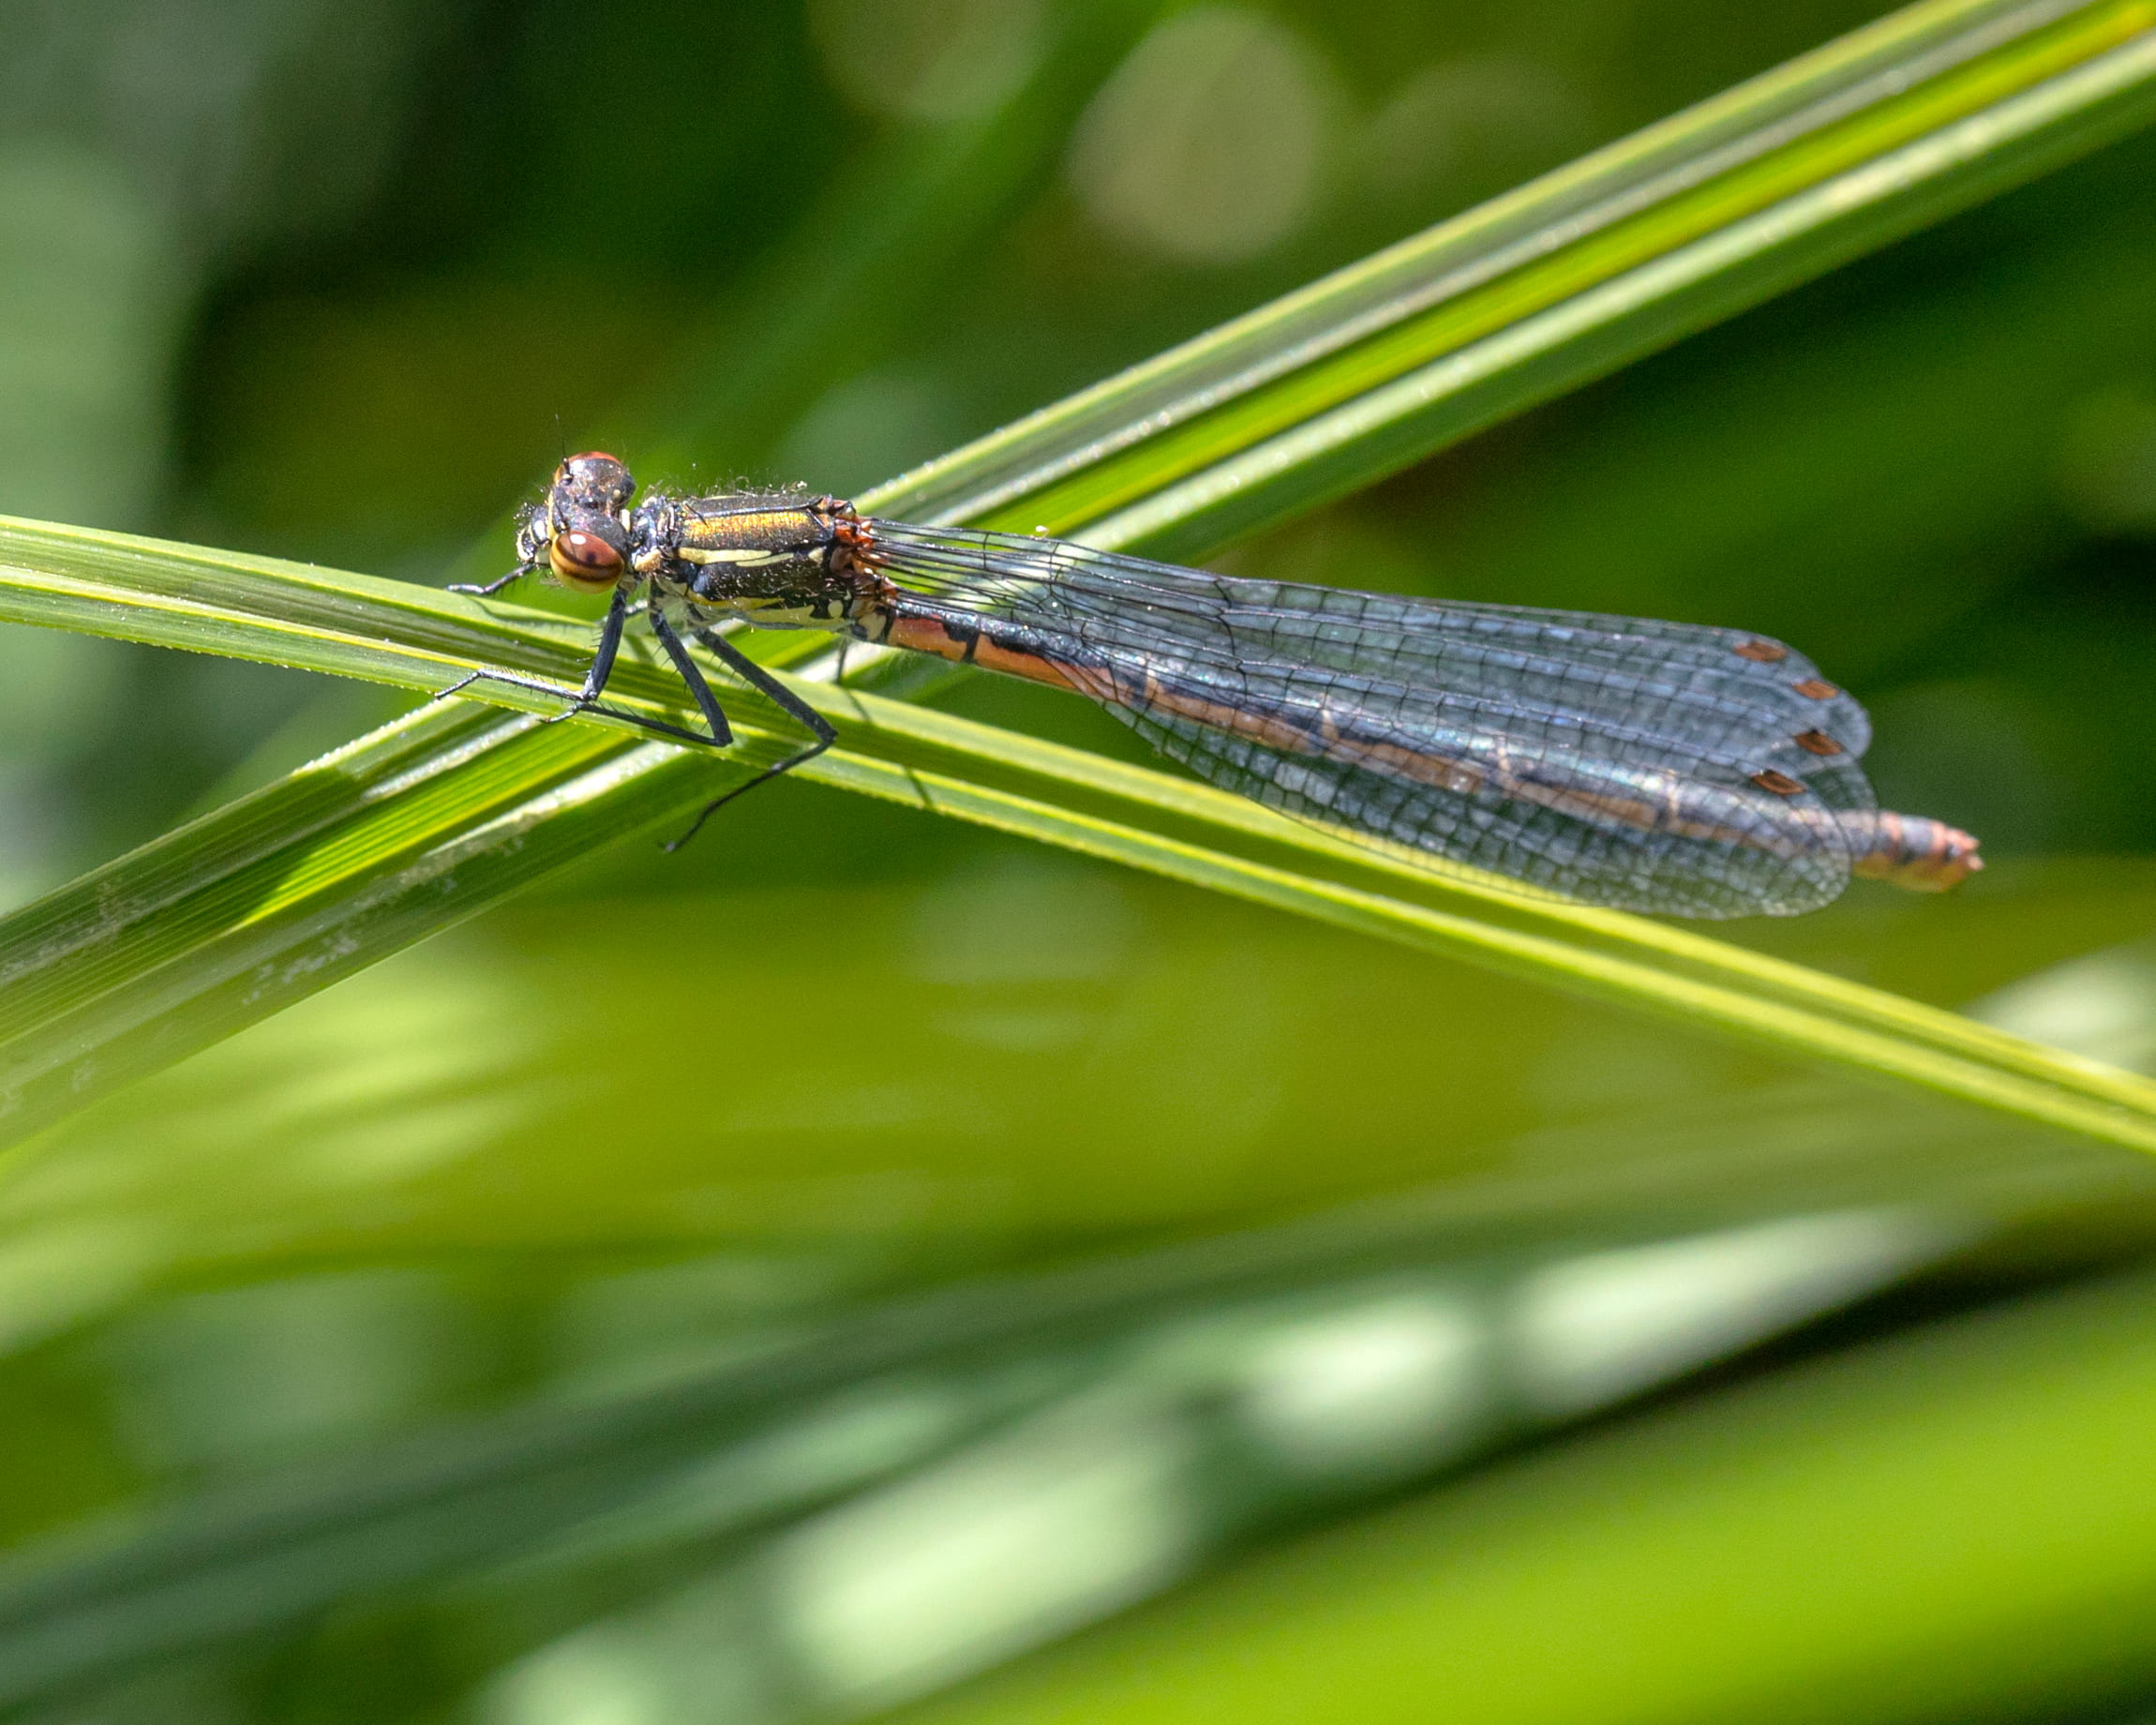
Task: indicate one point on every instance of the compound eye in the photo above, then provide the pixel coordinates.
(597, 477)
(585, 560)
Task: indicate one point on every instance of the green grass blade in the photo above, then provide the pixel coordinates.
(434, 818)
(554, 1484)
(297, 615)
(874, 260)
(212, 926)
(436, 821)
(1713, 211)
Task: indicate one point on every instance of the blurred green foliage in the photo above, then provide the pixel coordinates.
(573, 1255)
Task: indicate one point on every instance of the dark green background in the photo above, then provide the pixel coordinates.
(341, 281)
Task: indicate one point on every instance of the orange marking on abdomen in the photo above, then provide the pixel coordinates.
(930, 634)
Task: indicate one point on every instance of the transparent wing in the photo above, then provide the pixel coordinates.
(1648, 766)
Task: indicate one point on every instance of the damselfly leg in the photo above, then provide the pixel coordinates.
(1674, 768)
(700, 691)
(719, 732)
(487, 589)
(586, 699)
(783, 698)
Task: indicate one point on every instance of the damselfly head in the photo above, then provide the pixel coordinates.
(591, 481)
(579, 529)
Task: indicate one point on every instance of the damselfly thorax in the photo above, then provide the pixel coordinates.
(1646, 765)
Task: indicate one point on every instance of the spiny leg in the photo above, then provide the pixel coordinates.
(658, 727)
(750, 672)
(602, 671)
(781, 697)
(722, 733)
(487, 589)
(596, 680)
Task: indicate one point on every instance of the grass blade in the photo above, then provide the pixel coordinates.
(212, 926)
(551, 1486)
(428, 821)
(1713, 211)
(434, 818)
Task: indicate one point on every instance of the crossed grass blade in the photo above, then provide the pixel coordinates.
(1562, 281)
(444, 812)
(1356, 376)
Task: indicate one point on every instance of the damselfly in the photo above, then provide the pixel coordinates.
(1648, 765)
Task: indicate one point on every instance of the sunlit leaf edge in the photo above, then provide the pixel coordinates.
(351, 625)
(192, 596)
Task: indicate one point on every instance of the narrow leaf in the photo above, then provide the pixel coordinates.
(447, 811)
(1571, 276)
(365, 853)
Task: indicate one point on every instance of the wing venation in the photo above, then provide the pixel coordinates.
(1640, 764)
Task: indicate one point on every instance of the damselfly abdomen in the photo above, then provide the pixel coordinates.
(1647, 766)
